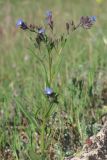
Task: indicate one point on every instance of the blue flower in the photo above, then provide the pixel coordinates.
(48, 14)
(41, 31)
(48, 91)
(21, 24)
(93, 18)
(52, 96)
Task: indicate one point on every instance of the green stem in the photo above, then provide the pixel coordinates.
(57, 61)
(45, 120)
(50, 68)
(43, 65)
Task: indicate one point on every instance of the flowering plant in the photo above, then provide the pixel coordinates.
(56, 44)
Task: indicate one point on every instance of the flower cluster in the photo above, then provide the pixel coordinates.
(51, 42)
(87, 22)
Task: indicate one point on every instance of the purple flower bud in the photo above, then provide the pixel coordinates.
(49, 20)
(48, 91)
(21, 24)
(67, 27)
